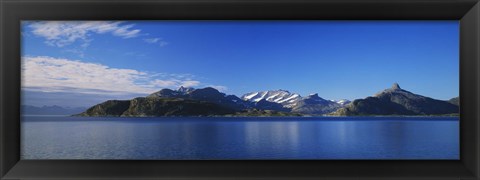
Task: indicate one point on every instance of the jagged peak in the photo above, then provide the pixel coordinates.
(395, 86)
(181, 88)
(185, 89)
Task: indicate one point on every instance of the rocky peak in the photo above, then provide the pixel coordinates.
(395, 86)
(314, 99)
(185, 89)
(394, 89)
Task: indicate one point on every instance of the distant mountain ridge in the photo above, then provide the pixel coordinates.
(313, 104)
(50, 110)
(211, 102)
(342, 102)
(455, 101)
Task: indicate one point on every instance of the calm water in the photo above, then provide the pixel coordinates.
(46, 137)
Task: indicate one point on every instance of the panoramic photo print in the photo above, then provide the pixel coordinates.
(253, 90)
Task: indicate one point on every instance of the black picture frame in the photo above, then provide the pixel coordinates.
(13, 11)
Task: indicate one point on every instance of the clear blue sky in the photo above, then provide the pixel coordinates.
(336, 59)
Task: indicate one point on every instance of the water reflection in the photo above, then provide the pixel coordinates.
(237, 138)
(262, 139)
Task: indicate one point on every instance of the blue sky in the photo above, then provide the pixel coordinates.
(98, 60)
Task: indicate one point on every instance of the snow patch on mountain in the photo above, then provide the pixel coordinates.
(286, 98)
(342, 102)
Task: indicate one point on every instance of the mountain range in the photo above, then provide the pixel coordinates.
(211, 102)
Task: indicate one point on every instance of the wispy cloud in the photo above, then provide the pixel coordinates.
(190, 83)
(48, 74)
(152, 40)
(158, 41)
(62, 33)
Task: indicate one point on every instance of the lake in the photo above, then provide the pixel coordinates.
(57, 137)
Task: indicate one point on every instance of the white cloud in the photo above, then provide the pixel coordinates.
(190, 83)
(158, 41)
(125, 32)
(164, 83)
(62, 33)
(48, 74)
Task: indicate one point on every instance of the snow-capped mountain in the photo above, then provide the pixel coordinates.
(286, 98)
(312, 104)
(185, 90)
(342, 102)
